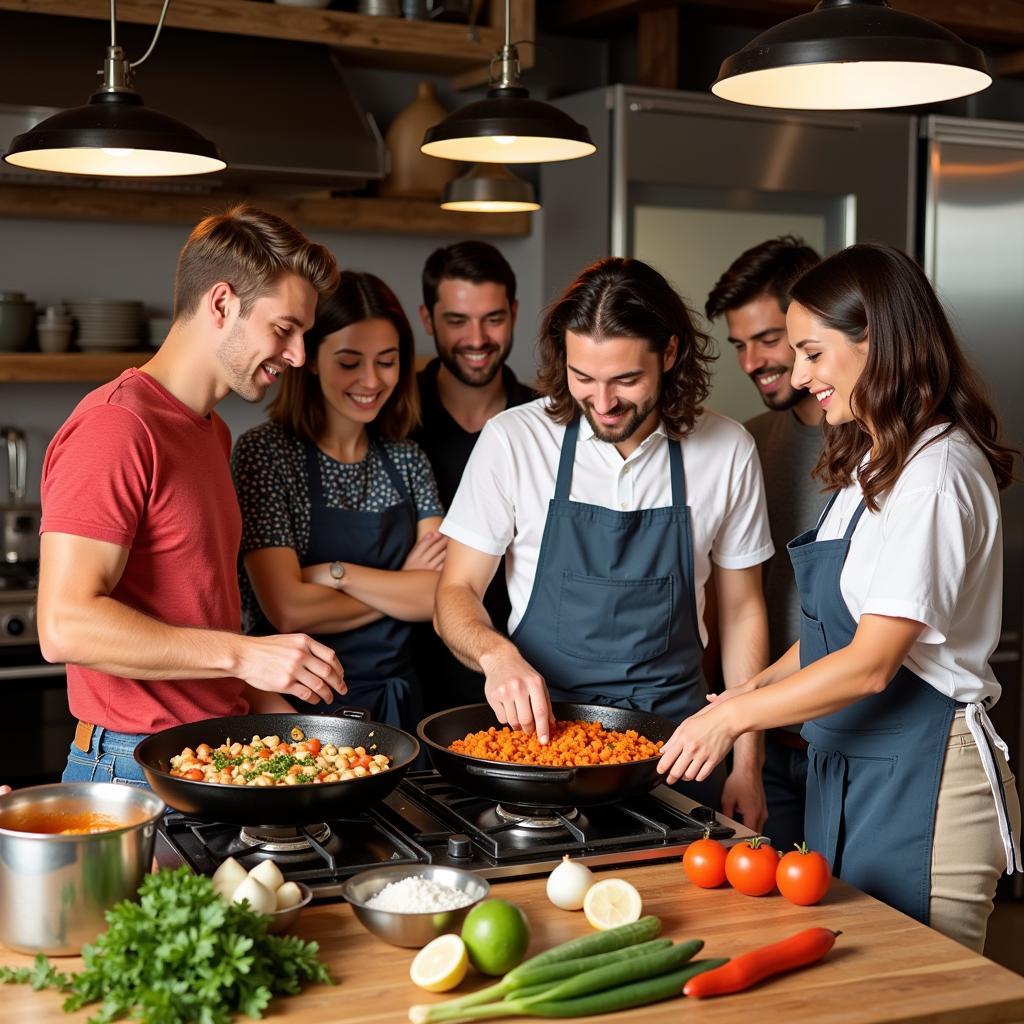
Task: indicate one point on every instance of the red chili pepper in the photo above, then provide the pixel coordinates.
(806, 947)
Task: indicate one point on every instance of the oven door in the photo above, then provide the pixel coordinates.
(36, 727)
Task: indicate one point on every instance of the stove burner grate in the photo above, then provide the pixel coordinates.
(285, 840)
(535, 817)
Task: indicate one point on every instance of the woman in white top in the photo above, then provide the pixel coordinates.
(909, 790)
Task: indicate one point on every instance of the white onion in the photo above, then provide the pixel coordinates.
(228, 877)
(268, 874)
(260, 898)
(568, 884)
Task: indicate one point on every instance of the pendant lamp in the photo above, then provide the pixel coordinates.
(489, 188)
(114, 134)
(508, 127)
(852, 55)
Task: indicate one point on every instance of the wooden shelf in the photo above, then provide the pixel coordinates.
(38, 367)
(397, 43)
(367, 215)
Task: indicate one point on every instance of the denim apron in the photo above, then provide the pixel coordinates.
(612, 617)
(376, 657)
(874, 767)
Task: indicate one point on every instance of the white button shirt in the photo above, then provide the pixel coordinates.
(502, 502)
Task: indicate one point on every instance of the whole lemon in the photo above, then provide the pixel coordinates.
(496, 934)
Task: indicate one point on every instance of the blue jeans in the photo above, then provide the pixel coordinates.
(785, 789)
(109, 759)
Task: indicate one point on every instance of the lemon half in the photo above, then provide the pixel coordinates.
(440, 965)
(612, 902)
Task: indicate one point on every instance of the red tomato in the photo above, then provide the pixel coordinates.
(750, 867)
(803, 876)
(195, 775)
(314, 746)
(704, 863)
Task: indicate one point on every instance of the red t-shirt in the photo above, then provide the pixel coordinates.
(134, 466)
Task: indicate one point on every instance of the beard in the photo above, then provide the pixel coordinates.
(635, 416)
(785, 398)
(471, 376)
(232, 354)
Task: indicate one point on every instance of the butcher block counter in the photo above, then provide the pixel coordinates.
(884, 967)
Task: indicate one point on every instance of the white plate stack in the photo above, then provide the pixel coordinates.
(107, 325)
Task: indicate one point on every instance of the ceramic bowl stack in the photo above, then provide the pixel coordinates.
(108, 325)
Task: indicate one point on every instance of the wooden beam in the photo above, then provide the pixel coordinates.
(997, 21)
(657, 48)
(358, 215)
(1009, 64)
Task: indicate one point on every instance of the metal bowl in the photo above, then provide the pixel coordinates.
(55, 889)
(411, 930)
(282, 920)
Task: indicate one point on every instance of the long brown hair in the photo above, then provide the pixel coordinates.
(299, 403)
(624, 298)
(915, 375)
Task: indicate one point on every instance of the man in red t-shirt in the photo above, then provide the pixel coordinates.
(138, 590)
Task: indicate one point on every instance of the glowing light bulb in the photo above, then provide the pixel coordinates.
(506, 140)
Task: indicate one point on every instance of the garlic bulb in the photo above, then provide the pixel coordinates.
(289, 895)
(228, 877)
(260, 898)
(568, 884)
(268, 874)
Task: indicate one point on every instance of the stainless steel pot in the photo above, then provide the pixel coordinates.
(19, 520)
(55, 889)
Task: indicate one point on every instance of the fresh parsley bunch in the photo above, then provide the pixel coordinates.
(181, 954)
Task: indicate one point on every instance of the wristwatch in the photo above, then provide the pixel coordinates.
(337, 571)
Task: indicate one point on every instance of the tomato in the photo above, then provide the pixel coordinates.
(803, 876)
(195, 775)
(313, 746)
(704, 863)
(750, 867)
(264, 754)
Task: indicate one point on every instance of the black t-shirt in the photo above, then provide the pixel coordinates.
(446, 681)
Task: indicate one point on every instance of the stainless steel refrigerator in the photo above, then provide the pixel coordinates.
(972, 247)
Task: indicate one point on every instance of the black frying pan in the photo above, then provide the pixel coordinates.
(276, 805)
(537, 785)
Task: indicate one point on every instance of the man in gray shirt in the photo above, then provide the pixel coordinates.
(753, 295)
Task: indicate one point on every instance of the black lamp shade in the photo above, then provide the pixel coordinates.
(852, 55)
(489, 188)
(508, 128)
(114, 134)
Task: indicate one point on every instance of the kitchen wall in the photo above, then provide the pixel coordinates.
(56, 260)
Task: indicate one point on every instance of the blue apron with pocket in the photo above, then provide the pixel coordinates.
(612, 617)
(874, 767)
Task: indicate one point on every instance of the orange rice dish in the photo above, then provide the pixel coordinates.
(571, 744)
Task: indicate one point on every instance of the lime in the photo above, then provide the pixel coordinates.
(496, 934)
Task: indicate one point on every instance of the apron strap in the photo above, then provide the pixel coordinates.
(675, 461)
(854, 520)
(825, 511)
(316, 488)
(566, 460)
(391, 469)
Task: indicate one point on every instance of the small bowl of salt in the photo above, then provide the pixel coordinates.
(411, 904)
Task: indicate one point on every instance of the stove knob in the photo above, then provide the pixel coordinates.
(14, 625)
(459, 845)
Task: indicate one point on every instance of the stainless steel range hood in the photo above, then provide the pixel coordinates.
(280, 111)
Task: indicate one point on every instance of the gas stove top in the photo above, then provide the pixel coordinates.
(426, 820)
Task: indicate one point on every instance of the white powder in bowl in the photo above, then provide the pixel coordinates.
(418, 895)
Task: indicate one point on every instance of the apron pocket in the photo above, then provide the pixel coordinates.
(625, 621)
(813, 644)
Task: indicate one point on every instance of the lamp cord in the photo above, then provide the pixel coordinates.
(156, 34)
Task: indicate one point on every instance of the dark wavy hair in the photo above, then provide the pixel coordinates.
(915, 375)
(474, 261)
(766, 269)
(299, 403)
(624, 298)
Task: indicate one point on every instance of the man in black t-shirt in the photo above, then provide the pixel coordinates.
(469, 308)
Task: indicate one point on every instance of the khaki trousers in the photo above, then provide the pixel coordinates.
(967, 851)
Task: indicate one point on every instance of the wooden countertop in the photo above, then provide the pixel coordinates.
(885, 967)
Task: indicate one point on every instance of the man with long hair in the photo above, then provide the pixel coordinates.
(753, 296)
(616, 496)
(140, 527)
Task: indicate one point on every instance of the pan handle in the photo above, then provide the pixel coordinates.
(360, 714)
(526, 775)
